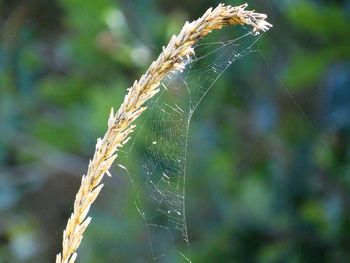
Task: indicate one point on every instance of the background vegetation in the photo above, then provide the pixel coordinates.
(268, 174)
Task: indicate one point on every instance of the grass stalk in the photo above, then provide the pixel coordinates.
(120, 124)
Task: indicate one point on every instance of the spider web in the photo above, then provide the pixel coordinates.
(155, 161)
(150, 207)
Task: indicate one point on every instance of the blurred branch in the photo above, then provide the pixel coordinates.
(46, 153)
(11, 27)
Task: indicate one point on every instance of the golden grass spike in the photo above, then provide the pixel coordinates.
(120, 124)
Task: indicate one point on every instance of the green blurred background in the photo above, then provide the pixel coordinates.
(268, 167)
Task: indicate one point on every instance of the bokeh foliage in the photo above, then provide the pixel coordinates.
(268, 173)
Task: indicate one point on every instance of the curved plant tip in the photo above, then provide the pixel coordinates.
(120, 124)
